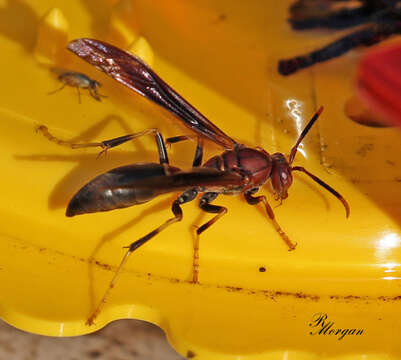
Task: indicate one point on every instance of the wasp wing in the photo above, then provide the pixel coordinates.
(135, 74)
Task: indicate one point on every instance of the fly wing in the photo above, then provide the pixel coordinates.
(135, 74)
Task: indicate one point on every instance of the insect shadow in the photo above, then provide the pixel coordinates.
(87, 166)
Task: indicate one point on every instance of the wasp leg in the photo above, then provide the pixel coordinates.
(256, 200)
(199, 147)
(107, 144)
(205, 205)
(187, 196)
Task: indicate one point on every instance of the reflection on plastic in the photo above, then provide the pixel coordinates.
(295, 108)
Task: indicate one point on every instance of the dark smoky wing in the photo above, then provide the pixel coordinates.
(181, 180)
(135, 74)
(153, 176)
(207, 178)
(196, 177)
(138, 183)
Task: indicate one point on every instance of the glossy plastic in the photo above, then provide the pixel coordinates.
(255, 299)
(378, 80)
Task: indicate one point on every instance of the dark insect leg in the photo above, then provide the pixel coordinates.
(256, 200)
(309, 17)
(368, 36)
(79, 95)
(199, 147)
(57, 90)
(177, 211)
(107, 144)
(205, 205)
(176, 139)
(326, 186)
(94, 94)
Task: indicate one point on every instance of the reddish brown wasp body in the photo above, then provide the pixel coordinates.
(238, 170)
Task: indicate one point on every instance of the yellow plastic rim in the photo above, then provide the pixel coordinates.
(221, 56)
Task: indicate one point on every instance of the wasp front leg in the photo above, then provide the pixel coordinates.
(256, 200)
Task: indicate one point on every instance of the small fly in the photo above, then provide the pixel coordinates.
(79, 80)
(237, 170)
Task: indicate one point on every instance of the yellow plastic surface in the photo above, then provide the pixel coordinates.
(221, 56)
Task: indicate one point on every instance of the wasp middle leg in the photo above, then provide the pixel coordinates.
(205, 205)
(199, 147)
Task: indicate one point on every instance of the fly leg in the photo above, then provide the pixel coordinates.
(205, 205)
(57, 90)
(79, 94)
(93, 92)
(186, 196)
(256, 200)
(107, 144)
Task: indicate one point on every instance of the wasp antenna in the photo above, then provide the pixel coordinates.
(326, 186)
(304, 132)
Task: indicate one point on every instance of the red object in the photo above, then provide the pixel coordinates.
(379, 82)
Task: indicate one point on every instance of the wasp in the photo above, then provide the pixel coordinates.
(238, 170)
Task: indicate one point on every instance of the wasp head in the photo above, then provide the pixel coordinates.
(281, 176)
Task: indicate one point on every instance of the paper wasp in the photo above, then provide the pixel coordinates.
(238, 170)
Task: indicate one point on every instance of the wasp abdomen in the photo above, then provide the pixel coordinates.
(118, 188)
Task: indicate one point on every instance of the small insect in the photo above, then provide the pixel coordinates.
(238, 170)
(79, 80)
(380, 20)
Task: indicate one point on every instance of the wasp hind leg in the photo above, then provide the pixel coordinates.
(185, 197)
